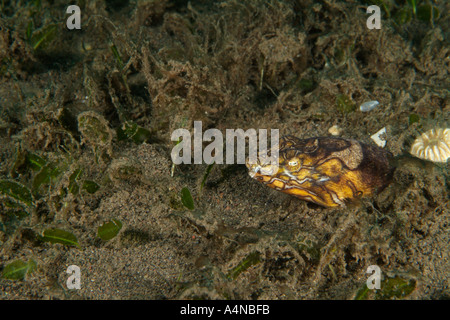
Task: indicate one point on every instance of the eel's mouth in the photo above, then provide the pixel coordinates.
(259, 169)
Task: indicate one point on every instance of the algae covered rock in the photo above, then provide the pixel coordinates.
(95, 132)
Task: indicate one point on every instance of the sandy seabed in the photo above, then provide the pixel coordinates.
(298, 66)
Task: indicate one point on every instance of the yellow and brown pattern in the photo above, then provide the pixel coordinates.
(328, 171)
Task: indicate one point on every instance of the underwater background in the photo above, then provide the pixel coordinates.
(86, 176)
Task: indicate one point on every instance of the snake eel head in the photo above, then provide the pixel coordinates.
(328, 171)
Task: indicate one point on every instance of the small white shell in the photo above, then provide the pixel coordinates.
(335, 130)
(380, 137)
(369, 106)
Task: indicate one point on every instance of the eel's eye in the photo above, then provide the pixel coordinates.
(293, 164)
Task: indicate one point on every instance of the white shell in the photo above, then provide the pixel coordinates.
(433, 145)
(369, 106)
(380, 137)
(334, 130)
